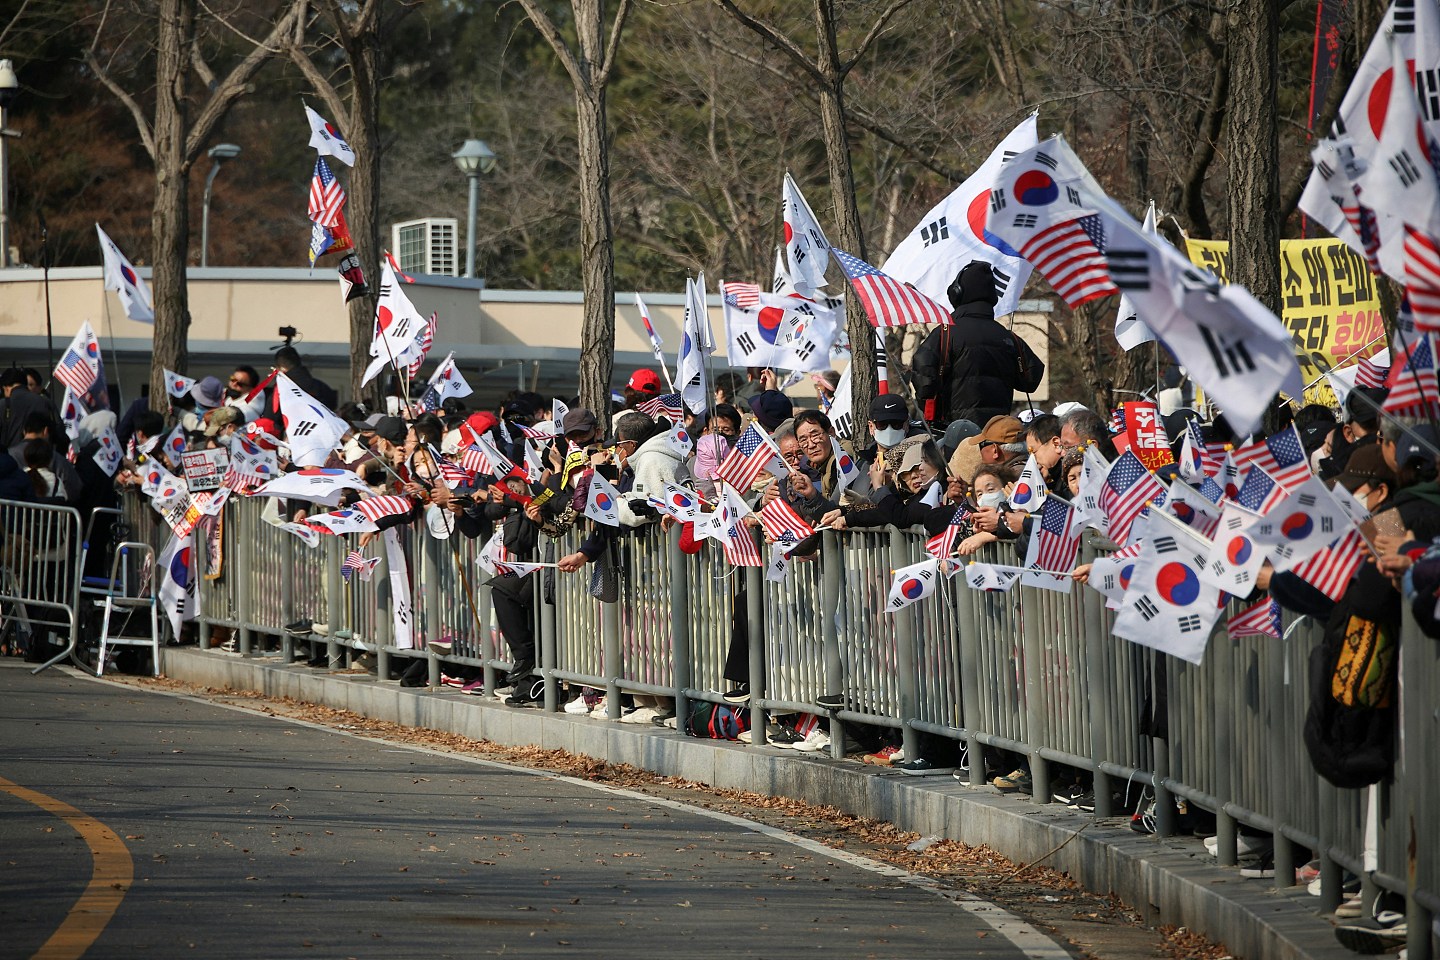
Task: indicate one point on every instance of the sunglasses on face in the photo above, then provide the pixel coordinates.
(889, 424)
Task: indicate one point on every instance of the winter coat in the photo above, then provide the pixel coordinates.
(653, 465)
(972, 367)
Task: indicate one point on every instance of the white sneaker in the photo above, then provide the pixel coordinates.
(640, 715)
(600, 712)
(817, 741)
(1244, 846)
(577, 707)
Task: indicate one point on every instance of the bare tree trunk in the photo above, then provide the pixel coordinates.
(1253, 141)
(363, 129)
(169, 218)
(597, 251)
(1085, 339)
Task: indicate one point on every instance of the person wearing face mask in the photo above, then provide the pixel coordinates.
(909, 499)
(888, 426)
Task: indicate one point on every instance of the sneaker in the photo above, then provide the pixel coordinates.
(300, 628)
(1246, 847)
(1143, 819)
(785, 737)
(1378, 934)
(883, 757)
(670, 722)
(1067, 793)
(448, 681)
(600, 711)
(817, 741)
(577, 707)
(1085, 802)
(442, 647)
(1263, 868)
(323, 629)
(640, 715)
(475, 687)
(1018, 779)
(1351, 908)
(831, 701)
(1308, 874)
(740, 694)
(920, 767)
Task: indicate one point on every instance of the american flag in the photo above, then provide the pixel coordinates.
(326, 195)
(1259, 493)
(1422, 279)
(1331, 570)
(942, 544)
(1054, 548)
(887, 301)
(740, 547)
(780, 519)
(1128, 488)
(740, 295)
(473, 460)
(666, 405)
(426, 339)
(454, 474)
(354, 560)
(1117, 420)
(1368, 373)
(1071, 255)
(1195, 462)
(1280, 455)
(374, 508)
(1260, 620)
(1414, 389)
(75, 372)
(752, 454)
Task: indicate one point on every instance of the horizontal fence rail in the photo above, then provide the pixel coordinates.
(1031, 671)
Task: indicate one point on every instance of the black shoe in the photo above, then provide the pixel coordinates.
(740, 694)
(520, 671)
(300, 628)
(1084, 802)
(528, 693)
(831, 701)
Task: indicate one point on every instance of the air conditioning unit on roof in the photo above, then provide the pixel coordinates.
(427, 246)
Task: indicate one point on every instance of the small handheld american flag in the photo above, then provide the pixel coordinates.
(942, 544)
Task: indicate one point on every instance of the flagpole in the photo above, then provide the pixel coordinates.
(1372, 342)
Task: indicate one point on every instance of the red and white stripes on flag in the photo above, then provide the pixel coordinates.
(752, 454)
(1422, 279)
(374, 508)
(887, 301)
(327, 197)
(79, 368)
(1260, 620)
(1071, 256)
(1331, 570)
(1414, 389)
(425, 342)
(1052, 547)
(1281, 455)
(942, 544)
(667, 405)
(1129, 487)
(745, 295)
(740, 549)
(779, 519)
(1368, 373)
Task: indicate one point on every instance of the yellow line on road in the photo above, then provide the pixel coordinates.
(111, 874)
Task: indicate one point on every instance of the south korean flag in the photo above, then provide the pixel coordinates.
(311, 430)
(915, 582)
(1234, 555)
(1301, 525)
(1168, 606)
(602, 504)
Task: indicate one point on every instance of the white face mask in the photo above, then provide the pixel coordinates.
(889, 436)
(352, 450)
(994, 500)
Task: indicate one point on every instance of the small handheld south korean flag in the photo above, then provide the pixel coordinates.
(680, 440)
(1234, 556)
(912, 583)
(847, 471)
(677, 502)
(603, 502)
(1168, 607)
(176, 385)
(109, 453)
(989, 576)
(1030, 490)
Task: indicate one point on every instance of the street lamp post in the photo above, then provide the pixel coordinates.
(473, 158)
(219, 154)
(9, 89)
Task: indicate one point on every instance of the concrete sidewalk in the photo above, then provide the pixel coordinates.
(1168, 881)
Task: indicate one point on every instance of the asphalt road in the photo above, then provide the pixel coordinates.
(254, 837)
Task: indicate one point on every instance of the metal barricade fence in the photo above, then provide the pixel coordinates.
(41, 549)
(1029, 670)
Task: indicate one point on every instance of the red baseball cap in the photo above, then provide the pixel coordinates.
(645, 381)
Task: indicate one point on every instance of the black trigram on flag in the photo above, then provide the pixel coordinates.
(1129, 269)
(746, 343)
(1230, 357)
(934, 232)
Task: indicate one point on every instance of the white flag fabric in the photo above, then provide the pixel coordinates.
(327, 140)
(1168, 607)
(1086, 245)
(1093, 471)
(121, 277)
(841, 412)
(176, 385)
(990, 576)
(1234, 556)
(782, 283)
(396, 335)
(316, 484)
(341, 522)
(602, 503)
(677, 502)
(915, 582)
(311, 430)
(847, 471)
(679, 440)
(109, 454)
(1191, 508)
(1307, 521)
(730, 509)
(805, 243)
(767, 330)
(690, 365)
(954, 233)
(1130, 330)
(447, 381)
(402, 612)
(178, 581)
(1398, 179)
(1030, 490)
(155, 480)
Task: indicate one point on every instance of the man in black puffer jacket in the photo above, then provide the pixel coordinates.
(970, 369)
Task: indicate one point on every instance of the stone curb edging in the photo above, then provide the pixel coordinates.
(1168, 881)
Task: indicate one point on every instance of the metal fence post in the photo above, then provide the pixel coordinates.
(427, 578)
(1221, 664)
(610, 637)
(547, 641)
(970, 710)
(1100, 686)
(833, 568)
(905, 655)
(335, 600)
(290, 551)
(243, 568)
(755, 622)
(680, 652)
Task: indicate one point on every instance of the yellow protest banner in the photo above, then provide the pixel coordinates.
(1330, 304)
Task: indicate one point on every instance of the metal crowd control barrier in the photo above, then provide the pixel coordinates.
(1030, 671)
(41, 557)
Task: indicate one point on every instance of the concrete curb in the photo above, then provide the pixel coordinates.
(1169, 881)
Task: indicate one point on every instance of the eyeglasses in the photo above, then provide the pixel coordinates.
(987, 443)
